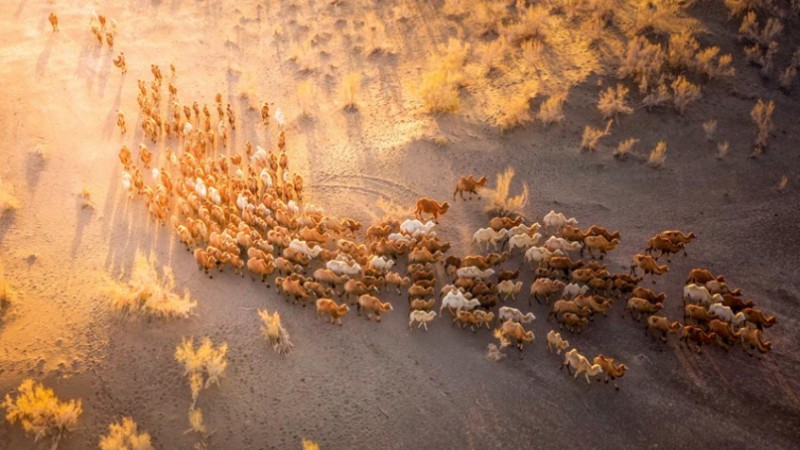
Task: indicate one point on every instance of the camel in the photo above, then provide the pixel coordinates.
(574, 360)
(662, 325)
(328, 306)
(432, 207)
(612, 371)
(470, 185)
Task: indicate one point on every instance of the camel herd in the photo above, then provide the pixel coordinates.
(246, 212)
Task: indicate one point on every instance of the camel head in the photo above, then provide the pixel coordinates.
(444, 207)
(675, 326)
(481, 182)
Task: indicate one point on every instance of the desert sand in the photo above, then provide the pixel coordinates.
(369, 385)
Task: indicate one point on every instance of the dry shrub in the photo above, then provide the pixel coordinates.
(494, 353)
(85, 197)
(41, 413)
(350, 86)
(684, 93)
(552, 109)
(704, 60)
(658, 96)
(591, 136)
(498, 201)
(273, 331)
(762, 117)
(203, 365)
(485, 16)
(8, 202)
(682, 50)
(492, 54)
(722, 149)
(516, 109)
(531, 52)
(787, 78)
(438, 92)
(196, 423)
(737, 7)
(148, 295)
(661, 17)
(125, 436)
(454, 7)
(783, 184)
(531, 24)
(309, 444)
(709, 128)
(305, 96)
(624, 148)
(658, 155)
(642, 61)
(612, 102)
(7, 295)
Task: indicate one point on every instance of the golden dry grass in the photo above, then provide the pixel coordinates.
(624, 148)
(658, 155)
(125, 436)
(40, 412)
(552, 109)
(272, 329)
(591, 136)
(614, 101)
(350, 87)
(499, 201)
(762, 117)
(709, 128)
(8, 202)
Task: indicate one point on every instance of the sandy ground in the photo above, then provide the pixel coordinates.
(368, 385)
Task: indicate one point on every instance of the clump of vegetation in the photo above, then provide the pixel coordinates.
(196, 423)
(440, 86)
(125, 436)
(305, 96)
(41, 413)
(657, 96)
(722, 149)
(783, 184)
(6, 295)
(613, 102)
(624, 148)
(309, 444)
(8, 202)
(658, 155)
(498, 201)
(350, 86)
(273, 331)
(684, 93)
(494, 353)
(516, 110)
(203, 365)
(709, 128)
(591, 136)
(85, 197)
(762, 117)
(149, 295)
(552, 109)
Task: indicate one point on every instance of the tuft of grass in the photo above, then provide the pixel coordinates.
(684, 93)
(516, 110)
(8, 202)
(7, 295)
(125, 436)
(762, 117)
(309, 444)
(492, 54)
(203, 365)
(624, 148)
(350, 86)
(552, 109)
(439, 91)
(85, 197)
(274, 332)
(722, 149)
(196, 423)
(305, 96)
(591, 136)
(147, 294)
(494, 353)
(40, 412)
(498, 200)
(709, 128)
(613, 102)
(658, 155)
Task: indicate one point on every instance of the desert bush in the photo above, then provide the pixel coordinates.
(613, 102)
(7, 295)
(532, 23)
(454, 7)
(737, 7)
(492, 54)
(643, 61)
(494, 353)
(309, 444)
(196, 423)
(659, 95)
(498, 201)
(8, 202)
(722, 149)
(148, 295)
(515, 111)
(203, 365)
(787, 77)
(273, 331)
(762, 117)
(125, 436)
(41, 413)
(660, 17)
(658, 155)
(591, 136)
(552, 109)
(704, 61)
(350, 85)
(305, 96)
(682, 50)
(440, 85)
(485, 16)
(783, 183)
(85, 197)
(684, 93)
(531, 52)
(624, 148)
(709, 128)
